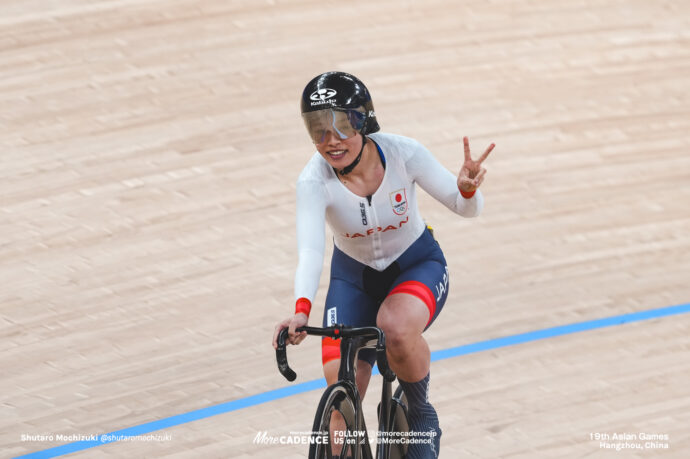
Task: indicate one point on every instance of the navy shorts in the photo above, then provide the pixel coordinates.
(356, 291)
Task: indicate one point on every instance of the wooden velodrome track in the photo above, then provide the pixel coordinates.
(148, 155)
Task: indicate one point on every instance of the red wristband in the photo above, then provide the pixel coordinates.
(467, 194)
(304, 306)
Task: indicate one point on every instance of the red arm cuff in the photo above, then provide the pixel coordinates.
(304, 306)
(467, 195)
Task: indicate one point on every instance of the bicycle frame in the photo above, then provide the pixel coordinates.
(352, 340)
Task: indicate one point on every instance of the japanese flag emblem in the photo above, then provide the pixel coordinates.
(399, 201)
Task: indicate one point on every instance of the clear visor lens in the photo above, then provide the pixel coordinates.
(342, 123)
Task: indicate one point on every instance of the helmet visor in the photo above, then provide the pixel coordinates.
(342, 123)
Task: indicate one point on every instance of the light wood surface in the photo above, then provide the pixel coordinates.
(148, 155)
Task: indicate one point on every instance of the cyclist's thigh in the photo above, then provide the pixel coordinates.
(428, 281)
(347, 304)
(424, 274)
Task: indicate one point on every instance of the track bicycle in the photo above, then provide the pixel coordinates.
(343, 397)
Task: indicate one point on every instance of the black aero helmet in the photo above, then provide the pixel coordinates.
(343, 92)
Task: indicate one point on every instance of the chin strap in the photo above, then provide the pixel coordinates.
(348, 169)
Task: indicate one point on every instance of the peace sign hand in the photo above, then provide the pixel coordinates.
(472, 173)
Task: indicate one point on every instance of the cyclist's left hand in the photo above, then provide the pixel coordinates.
(472, 173)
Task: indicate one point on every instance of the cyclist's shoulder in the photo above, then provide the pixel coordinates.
(316, 170)
(397, 145)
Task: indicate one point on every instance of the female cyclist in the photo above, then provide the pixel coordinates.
(386, 269)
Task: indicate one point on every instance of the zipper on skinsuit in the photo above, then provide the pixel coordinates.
(376, 242)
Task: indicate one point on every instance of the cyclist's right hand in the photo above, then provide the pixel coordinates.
(291, 323)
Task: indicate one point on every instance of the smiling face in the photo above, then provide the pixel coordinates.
(340, 153)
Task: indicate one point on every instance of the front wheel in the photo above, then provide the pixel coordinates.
(332, 437)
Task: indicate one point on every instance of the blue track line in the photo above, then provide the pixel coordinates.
(320, 383)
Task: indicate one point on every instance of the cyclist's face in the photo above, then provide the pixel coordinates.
(339, 152)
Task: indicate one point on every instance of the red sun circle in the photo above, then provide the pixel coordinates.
(398, 197)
